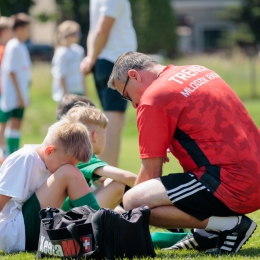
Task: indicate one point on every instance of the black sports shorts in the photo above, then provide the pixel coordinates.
(191, 196)
(110, 99)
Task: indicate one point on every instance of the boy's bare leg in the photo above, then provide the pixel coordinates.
(66, 181)
(109, 194)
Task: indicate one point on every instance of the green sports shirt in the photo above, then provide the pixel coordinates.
(88, 169)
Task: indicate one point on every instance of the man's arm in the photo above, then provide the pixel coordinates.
(3, 200)
(151, 168)
(17, 89)
(96, 41)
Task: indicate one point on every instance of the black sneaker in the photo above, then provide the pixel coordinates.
(195, 241)
(230, 241)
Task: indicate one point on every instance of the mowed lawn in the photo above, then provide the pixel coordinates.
(236, 70)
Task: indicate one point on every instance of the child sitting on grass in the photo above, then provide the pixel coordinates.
(36, 177)
(110, 192)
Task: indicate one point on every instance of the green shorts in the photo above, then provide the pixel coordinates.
(32, 222)
(16, 113)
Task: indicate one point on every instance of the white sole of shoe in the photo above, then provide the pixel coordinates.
(249, 233)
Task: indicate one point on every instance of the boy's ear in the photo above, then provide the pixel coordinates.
(93, 136)
(48, 150)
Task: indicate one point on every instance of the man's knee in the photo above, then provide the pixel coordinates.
(149, 193)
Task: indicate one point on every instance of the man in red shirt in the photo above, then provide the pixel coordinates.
(194, 113)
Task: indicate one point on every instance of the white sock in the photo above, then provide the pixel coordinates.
(3, 151)
(12, 133)
(222, 223)
(202, 232)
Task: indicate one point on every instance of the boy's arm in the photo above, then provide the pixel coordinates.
(116, 174)
(3, 200)
(17, 89)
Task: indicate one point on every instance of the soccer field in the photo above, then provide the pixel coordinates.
(41, 114)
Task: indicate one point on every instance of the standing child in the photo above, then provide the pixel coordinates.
(67, 77)
(5, 35)
(36, 177)
(15, 77)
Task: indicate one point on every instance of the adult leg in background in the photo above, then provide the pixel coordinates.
(114, 107)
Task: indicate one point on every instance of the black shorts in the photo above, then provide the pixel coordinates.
(110, 99)
(191, 196)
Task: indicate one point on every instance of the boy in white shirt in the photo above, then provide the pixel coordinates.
(36, 177)
(67, 78)
(15, 77)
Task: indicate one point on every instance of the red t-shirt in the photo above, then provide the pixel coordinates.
(192, 111)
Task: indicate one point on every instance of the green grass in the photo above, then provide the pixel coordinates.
(41, 113)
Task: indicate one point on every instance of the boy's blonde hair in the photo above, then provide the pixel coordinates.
(88, 115)
(65, 29)
(73, 136)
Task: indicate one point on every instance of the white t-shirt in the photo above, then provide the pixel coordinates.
(65, 64)
(16, 59)
(122, 37)
(21, 174)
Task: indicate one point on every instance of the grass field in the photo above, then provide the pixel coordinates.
(236, 70)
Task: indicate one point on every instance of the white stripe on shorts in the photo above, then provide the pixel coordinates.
(177, 194)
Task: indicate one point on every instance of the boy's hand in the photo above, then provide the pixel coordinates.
(21, 103)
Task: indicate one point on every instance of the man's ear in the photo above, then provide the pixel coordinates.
(48, 150)
(133, 74)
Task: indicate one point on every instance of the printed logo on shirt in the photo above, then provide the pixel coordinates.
(189, 73)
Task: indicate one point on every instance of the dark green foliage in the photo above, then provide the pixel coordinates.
(9, 7)
(76, 10)
(247, 19)
(155, 25)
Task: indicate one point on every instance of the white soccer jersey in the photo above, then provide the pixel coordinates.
(16, 59)
(65, 64)
(21, 174)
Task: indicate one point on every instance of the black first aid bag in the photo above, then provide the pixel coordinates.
(83, 232)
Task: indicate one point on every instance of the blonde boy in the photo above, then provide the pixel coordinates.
(110, 192)
(35, 177)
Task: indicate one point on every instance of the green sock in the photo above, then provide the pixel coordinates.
(12, 144)
(67, 204)
(88, 199)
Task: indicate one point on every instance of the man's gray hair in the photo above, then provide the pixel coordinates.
(127, 61)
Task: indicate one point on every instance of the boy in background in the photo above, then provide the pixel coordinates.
(15, 77)
(5, 35)
(112, 182)
(36, 177)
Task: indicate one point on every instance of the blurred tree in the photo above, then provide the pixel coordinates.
(246, 17)
(9, 7)
(76, 10)
(155, 25)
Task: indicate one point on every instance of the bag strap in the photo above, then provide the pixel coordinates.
(72, 228)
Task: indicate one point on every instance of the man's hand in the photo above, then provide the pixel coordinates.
(86, 65)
